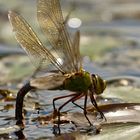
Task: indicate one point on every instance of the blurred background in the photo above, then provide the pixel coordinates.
(110, 47)
(110, 31)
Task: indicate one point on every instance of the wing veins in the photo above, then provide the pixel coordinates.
(59, 26)
(16, 21)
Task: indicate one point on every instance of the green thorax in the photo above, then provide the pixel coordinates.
(80, 81)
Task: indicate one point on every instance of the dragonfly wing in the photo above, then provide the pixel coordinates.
(76, 45)
(53, 81)
(25, 35)
(51, 20)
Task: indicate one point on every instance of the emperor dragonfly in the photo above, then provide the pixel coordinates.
(66, 74)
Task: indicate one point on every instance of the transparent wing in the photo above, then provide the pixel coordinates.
(38, 54)
(51, 20)
(76, 42)
(53, 81)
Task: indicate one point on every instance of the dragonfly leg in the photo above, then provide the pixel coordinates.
(73, 101)
(93, 101)
(58, 112)
(85, 105)
(19, 102)
(85, 111)
(61, 97)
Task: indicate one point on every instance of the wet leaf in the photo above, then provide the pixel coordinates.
(126, 93)
(9, 129)
(6, 95)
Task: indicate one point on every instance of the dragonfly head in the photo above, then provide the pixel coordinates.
(98, 83)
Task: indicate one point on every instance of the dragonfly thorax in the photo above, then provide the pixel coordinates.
(80, 81)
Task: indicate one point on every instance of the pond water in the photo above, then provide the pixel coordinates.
(123, 87)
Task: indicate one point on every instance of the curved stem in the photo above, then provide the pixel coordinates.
(19, 102)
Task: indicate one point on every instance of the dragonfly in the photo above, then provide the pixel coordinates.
(65, 67)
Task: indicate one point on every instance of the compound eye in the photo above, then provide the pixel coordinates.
(99, 84)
